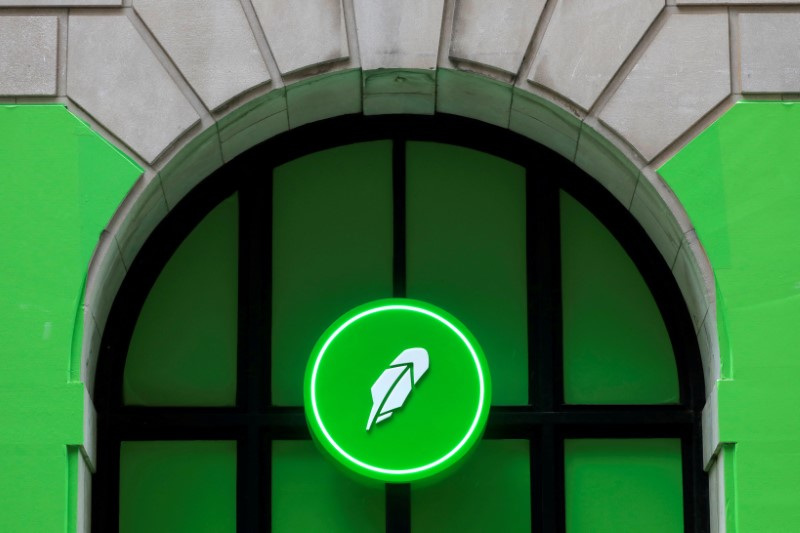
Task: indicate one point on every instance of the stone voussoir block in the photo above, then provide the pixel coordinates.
(114, 76)
(303, 34)
(681, 76)
(210, 42)
(574, 58)
(770, 52)
(28, 55)
(395, 34)
(495, 34)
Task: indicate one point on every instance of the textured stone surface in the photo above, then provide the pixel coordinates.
(598, 157)
(653, 206)
(59, 3)
(495, 34)
(708, 341)
(28, 47)
(399, 91)
(140, 213)
(252, 123)
(681, 76)
(194, 162)
(211, 43)
(113, 75)
(732, 2)
(323, 97)
(398, 34)
(693, 273)
(710, 418)
(478, 97)
(106, 272)
(303, 34)
(586, 42)
(770, 44)
(545, 123)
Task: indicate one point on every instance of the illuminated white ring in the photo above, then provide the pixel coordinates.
(408, 470)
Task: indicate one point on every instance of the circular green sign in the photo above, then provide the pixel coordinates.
(397, 390)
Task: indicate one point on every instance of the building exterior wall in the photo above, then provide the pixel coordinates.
(655, 99)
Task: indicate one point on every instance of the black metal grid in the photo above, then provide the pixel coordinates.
(253, 423)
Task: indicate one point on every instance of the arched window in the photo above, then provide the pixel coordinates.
(597, 386)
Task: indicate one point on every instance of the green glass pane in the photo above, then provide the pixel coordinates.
(177, 487)
(616, 346)
(309, 493)
(466, 252)
(332, 250)
(615, 485)
(490, 491)
(183, 349)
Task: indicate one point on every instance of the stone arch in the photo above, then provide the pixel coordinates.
(156, 83)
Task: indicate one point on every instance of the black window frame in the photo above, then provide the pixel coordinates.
(546, 422)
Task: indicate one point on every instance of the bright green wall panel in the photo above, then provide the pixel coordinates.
(616, 346)
(183, 349)
(332, 250)
(60, 183)
(465, 220)
(310, 493)
(489, 491)
(177, 487)
(739, 182)
(614, 485)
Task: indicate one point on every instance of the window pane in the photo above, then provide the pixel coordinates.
(466, 252)
(332, 250)
(490, 491)
(615, 485)
(183, 350)
(177, 487)
(309, 493)
(616, 347)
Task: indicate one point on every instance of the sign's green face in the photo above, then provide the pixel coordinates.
(397, 390)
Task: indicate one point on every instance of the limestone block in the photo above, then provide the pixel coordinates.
(693, 273)
(324, 97)
(473, 96)
(770, 44)
(106, 272)
(211, 43)
(710, 417)
(199, 158)
(586, 42)
(681, 76)
(28, 50)
(716, 493)
(398, 34)
(90, 348)
(708, 341)
(114, 76)
(389, 91)
(599, 158)
(655, 208)
(545, 123)
(303, 34)
(140, 212)
(731, 2)
(252, 123)
(60, 3)
(84, 515)
(495, 34)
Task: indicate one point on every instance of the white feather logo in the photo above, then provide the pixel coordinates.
(392, 388)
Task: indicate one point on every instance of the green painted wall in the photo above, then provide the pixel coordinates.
(60, 183)
(740, 184)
